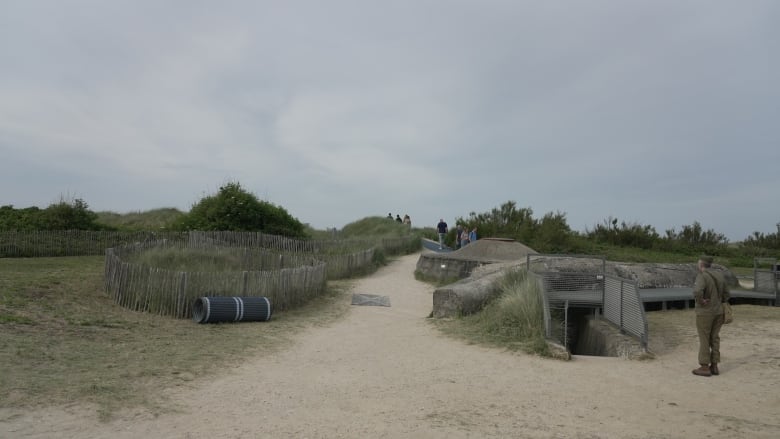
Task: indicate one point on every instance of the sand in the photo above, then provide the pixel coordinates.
(386, 372)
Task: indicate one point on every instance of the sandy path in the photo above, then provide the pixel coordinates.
(386, 372)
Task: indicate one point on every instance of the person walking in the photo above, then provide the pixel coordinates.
(442, 229)
(709, 291)
(473, 234)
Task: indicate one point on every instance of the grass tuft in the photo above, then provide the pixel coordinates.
(514, 320)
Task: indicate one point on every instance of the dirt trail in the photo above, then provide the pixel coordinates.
(386, 372)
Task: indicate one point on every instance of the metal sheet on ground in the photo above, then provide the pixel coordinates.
(370, 300)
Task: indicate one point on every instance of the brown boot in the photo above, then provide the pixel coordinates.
(703, 371)
(714, 369)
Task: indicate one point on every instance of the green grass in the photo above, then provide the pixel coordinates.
(628, 254)
(742, 271)
(514, 320)
(217, 259)
(63, 339)
(154, 219)
(375, 227)
(740, 265)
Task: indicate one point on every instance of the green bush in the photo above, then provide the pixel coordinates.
(506, 221)
(552, 234)
(760, 241)
(626, 235)
(618, 241)
(235, 209)
(73, 215)
(62, 215)
(20, 219)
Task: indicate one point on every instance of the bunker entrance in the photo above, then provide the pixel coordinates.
(586, 333)
(588, 310)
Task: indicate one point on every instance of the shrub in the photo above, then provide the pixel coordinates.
(20, 219)
(66, 215)
(626, 235)
(235, 209)
(62, 215)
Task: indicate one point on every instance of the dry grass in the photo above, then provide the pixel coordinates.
(63, 339)
(671, 329)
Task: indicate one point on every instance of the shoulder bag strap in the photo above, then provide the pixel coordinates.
(717, 285)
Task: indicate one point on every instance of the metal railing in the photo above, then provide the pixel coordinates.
(623, 307)
(766, 277)
(579, 281)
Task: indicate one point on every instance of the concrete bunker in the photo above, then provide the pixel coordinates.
(594, 306)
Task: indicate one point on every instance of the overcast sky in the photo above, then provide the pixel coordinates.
(653, 112)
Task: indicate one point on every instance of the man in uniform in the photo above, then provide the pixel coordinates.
(709, 291)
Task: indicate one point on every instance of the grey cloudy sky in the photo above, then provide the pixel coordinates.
(657, 112)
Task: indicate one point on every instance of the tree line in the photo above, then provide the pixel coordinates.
(232, 208)
(551, 234)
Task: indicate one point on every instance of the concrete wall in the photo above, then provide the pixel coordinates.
(600, 338)
(444, 269)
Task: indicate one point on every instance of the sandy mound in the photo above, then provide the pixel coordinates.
(494, 250)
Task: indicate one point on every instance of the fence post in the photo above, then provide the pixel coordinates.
(566, 325)
(181, 305)
(622, 292)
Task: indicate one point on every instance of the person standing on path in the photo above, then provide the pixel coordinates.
(464, 237)
(458, 231)
(442, 229)
(473, 235)
(709, 291)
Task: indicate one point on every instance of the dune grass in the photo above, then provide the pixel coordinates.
(154, 219)
(216, 259)
(513, 320)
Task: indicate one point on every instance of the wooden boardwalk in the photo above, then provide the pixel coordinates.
(684, 296)
(655, 298)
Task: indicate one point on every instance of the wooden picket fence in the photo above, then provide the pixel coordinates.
(287, 283)
(287, 271)
(46, 243)
(43, 243)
